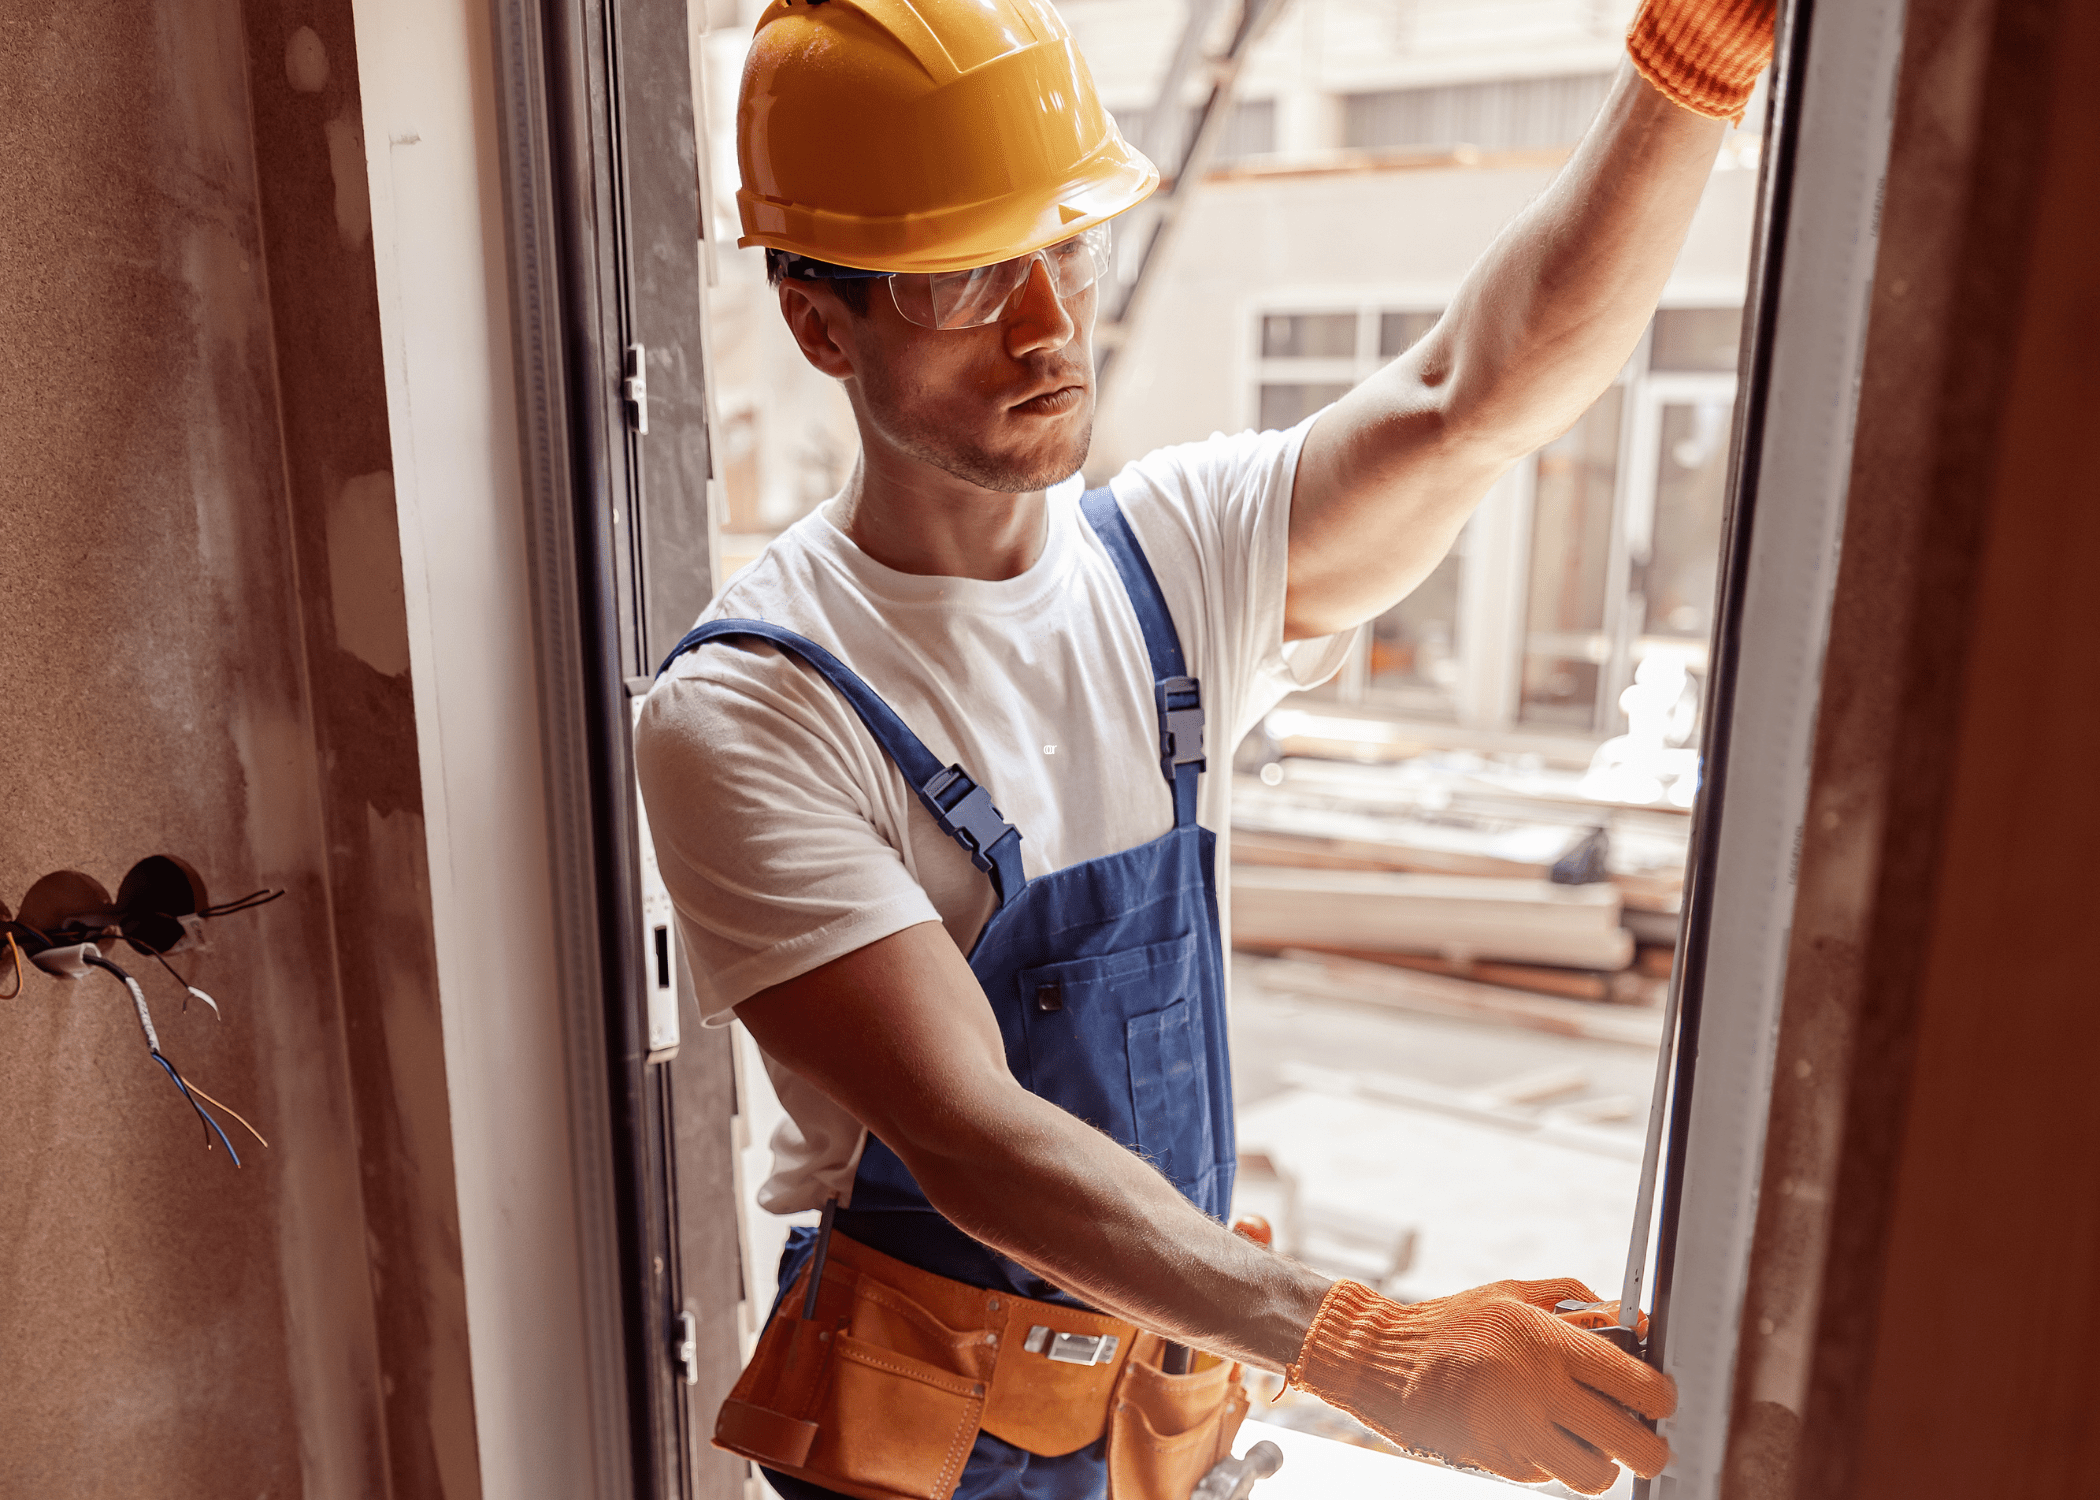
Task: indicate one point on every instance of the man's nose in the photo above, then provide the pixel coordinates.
(1037, 318)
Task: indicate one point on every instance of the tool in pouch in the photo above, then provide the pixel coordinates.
(1233, 1478)
(880, 1388)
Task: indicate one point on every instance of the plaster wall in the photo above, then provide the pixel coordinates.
(1933, 1122)
(209, 657)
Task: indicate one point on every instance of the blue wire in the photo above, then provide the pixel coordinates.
(169, 1069)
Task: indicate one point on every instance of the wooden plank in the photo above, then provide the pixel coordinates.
(1458, 917)
(1266, 846)
(1317, 977)
(1538, 979)
(1255, 845)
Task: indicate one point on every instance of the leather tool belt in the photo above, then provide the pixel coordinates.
(881, 1395)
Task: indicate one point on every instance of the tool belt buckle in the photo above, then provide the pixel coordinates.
(1071, 1348)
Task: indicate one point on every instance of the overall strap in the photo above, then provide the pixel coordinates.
(1178, 695)
(961, 807)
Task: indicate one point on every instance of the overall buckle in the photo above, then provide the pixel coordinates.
(1180, 702)
(972, 820)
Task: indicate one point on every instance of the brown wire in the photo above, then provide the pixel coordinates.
(14, 948)
(229, 1109)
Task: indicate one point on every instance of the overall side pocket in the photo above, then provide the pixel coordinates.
(1169, 1091)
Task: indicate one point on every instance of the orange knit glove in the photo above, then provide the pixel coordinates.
(1488, 1379)
(1703, 54)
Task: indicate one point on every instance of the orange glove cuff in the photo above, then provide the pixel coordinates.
(1704, 55)
(1361, 1353)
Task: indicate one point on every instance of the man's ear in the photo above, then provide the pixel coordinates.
(811, 315)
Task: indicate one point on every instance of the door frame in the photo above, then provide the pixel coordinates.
(599, 143)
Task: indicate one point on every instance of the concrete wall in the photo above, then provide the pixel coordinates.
(210, 655)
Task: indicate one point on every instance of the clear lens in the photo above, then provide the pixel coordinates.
(972, 298)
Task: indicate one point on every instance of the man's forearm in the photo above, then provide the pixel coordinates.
(1064, 1200)
(899, 1035)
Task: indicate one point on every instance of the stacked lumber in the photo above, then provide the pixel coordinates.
(1442, 822)
(1642, 984)
(1318, 976)
(1435, 868)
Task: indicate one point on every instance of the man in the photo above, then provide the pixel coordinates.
(928, 785)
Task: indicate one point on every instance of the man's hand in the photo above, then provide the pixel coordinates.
(1489, 1379)
(899, 1035)
(1536, 332)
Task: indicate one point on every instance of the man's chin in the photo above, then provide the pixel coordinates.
(1019, 473)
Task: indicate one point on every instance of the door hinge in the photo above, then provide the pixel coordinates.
(635, 389)
(686, 1352)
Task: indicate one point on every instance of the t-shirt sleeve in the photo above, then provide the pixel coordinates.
(768, 817)
(1214, 517)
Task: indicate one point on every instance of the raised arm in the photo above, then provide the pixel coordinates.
(1536, 332)
(899, 1034)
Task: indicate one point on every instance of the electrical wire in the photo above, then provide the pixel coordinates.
(229, 1109)
(249, 902)
(210, 1124)
(190, 989)
(14, 948)
(138, 998)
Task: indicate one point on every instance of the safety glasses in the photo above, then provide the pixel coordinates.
(981, 294)
(972, 298)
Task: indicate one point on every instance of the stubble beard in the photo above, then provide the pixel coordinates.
(1004, 474)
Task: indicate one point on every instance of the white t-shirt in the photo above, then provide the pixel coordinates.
(787, 838)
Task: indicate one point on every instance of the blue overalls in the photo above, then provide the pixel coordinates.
(1107, 978)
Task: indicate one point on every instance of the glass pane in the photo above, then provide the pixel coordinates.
(1414, 645)
(1696, 338)
(1564, 640)
(1690, 487)
(1398, 331)
(1308, 336)
(1287, 405)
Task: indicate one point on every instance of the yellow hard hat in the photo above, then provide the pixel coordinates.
(924, 135)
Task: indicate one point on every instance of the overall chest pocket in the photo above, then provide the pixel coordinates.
(1121, 1040)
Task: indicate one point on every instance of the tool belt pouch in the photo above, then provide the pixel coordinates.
(1166, 1431)
(882, 1393)
(874, 1397)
